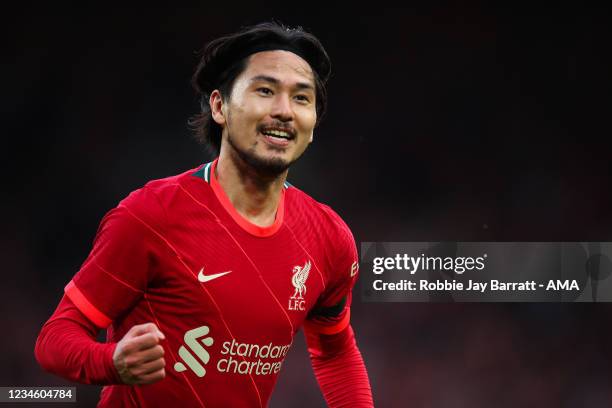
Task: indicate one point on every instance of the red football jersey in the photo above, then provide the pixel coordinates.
(228, 295)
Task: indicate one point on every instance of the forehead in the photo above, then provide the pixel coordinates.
(282, 65)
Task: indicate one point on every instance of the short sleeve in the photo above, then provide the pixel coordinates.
(332, 312)
(118, 269)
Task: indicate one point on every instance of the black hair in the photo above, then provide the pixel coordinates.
(225, 58)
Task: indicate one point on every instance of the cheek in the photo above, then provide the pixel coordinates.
(308, 119)
(249, 109)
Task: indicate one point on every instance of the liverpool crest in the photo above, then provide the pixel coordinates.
(300, 274)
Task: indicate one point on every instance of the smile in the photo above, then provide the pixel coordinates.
(276, 140)
(278, 134)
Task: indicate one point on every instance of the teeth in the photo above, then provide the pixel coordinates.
(277, 133)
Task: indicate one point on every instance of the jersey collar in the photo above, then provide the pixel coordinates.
(208, 173)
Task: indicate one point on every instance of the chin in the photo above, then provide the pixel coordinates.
(270, 165)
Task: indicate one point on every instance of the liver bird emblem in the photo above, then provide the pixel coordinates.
(300, 274)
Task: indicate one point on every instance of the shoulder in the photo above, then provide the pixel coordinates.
(305, 209)
(152, 200)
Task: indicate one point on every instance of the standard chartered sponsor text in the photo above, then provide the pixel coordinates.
(250, 358)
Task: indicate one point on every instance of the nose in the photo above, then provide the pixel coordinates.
(281, 109)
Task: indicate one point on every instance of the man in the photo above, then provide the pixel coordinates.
(203, 279)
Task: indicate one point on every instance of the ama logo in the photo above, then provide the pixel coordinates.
(195, 339)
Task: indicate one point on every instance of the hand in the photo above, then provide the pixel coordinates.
(138, 357)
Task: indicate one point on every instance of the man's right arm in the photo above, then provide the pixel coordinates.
(111, 281)
(67, 346)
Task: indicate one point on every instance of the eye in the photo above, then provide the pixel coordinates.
(302, 98)
(264, 91)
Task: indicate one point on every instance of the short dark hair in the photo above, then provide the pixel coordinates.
(224, 58)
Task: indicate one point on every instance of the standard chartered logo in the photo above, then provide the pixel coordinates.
(235, 357)
(193, 339)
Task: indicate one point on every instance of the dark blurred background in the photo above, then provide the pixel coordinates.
(451, 121)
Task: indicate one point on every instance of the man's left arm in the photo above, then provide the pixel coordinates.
(338, 367)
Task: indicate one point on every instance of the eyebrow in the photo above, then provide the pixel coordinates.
(272, 80)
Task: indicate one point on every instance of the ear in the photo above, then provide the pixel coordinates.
(216, 107)
(311, 136)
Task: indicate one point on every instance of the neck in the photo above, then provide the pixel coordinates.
(254, 195)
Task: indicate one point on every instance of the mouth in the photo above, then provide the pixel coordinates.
(277, 137)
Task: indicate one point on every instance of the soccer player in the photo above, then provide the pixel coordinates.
(203, 279)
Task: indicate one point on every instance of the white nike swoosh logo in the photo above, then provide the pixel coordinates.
(205, 278)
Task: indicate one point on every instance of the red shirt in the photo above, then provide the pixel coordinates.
(228, 295)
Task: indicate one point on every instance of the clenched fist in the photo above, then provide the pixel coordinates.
(138, 357)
